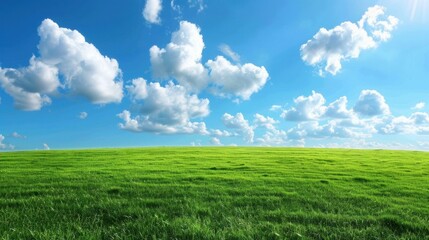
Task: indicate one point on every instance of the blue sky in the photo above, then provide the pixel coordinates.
(86, 74)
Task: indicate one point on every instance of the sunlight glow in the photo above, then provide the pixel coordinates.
(418, 9)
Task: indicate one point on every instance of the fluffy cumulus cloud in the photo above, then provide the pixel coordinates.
(171, 108)
(328, 48)
(264, 121)
(316, 130)
(306, 108)
(419, 105)
(380, 30)
(23, 100)
(236, 80)
(239, 124)
(338, 109)
(86, 71)
(63, 52)
(38, 77)
(272, 135)
(137, 89)
(417, 123)
(318, 120)
(164, 109)
(151, 11)
(181, 60)
(330, 125)
(371, 103)
(311, 108)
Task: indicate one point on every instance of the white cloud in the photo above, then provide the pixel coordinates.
(181, 58)
(83, 115)
(307, 108)
(331, 129)
(335, 120)
(129, 124)
(216, 141)
(199, 4)
(338, 109)
(419, 105)
(312, 108)
(4, 145)
(237, 80)
(175, 7)
(367, 144)
(85, 71)
(166, 110)
(379, 29)
(28, 86)
(265, 122)
(371, 103)
(335, 45)
(239, 124)
(417, 123)
(221, 133)
(420, 118)
(38, 77)
(346, 41)
(151, 11)
(227, 51)
(138, 89)
(275, 108)
(46, 147)
(17, 135)
(273, 137)
(23, 100)
(142, 123)
(355, 122)
(318, 122)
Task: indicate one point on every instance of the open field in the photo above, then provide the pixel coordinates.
(214, 193)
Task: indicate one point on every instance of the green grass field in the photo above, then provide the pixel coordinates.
(214, 193)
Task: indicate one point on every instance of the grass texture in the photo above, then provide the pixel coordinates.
(214, 193)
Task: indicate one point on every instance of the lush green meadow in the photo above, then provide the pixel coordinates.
(214, 193)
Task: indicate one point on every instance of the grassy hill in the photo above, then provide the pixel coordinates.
(214, 193)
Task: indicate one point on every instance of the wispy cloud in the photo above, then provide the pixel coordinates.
(226, 49)
(83, 115)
